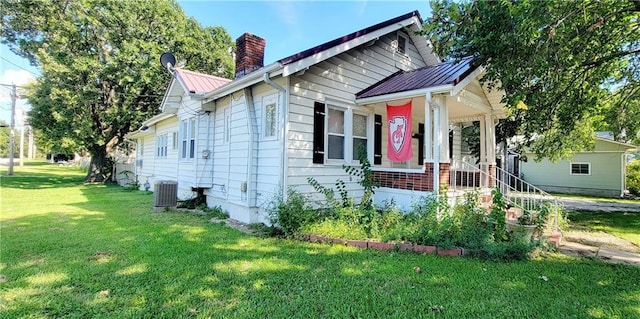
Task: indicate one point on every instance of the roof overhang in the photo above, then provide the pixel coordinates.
(147, 126)
(318, 57)
(442, 89)
(246, 81)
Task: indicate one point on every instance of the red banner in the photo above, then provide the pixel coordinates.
(399, 132)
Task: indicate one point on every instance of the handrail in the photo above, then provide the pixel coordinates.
(516, 191)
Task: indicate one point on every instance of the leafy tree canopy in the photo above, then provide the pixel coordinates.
(567, 68)
(101, 75)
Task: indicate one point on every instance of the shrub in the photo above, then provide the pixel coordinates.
(291, 214)
(633, 177)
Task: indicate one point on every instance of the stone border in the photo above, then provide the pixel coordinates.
(380, 246)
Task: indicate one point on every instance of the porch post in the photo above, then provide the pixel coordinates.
(436, 147)
(444, 130)
(490, 150)
(428, 151)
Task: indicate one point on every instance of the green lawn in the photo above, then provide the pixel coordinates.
(625, 225)
(90, 251)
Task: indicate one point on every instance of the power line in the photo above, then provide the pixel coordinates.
(19, 66)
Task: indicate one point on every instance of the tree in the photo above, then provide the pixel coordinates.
(101, 75)
(4, 138)
(564, 66)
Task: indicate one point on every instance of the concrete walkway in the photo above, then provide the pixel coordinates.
(604, 254)
(572, 204)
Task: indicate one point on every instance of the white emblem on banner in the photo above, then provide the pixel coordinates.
(398, 131)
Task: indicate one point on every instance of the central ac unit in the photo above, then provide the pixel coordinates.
(165, 194)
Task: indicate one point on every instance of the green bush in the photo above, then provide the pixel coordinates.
(633, 177)
(290, 214)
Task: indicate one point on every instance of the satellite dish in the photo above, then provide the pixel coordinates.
(168, 60)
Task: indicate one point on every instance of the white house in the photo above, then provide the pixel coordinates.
(242, 142)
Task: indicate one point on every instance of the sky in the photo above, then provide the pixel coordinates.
(288, 27)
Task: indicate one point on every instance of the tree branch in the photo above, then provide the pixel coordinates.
(616, 55)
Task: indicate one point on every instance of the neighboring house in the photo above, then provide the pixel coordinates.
(242, 143)
(600, 172)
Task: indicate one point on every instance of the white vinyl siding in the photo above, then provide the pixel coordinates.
(337, 79)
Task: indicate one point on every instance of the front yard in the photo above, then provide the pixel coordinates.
(88, 251)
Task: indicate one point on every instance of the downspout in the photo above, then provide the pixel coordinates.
(195, 152)
(283, 131)
(436, 148)
(207, 146)
(213, 139)
(251, 160)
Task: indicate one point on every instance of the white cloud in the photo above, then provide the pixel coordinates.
(17, 77)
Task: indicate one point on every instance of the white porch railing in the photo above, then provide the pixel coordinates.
(517, 192)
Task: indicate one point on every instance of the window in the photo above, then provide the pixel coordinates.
(227, 125)
(346, 132)
(270, 116)
(174, 144)
(192, 138)
(402, 43)
(161, 145)
(141, 145)
(188, 138)
(359, 135)
(335, 134)
(580, 168)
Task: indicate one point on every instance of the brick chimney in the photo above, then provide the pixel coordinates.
(249, 54)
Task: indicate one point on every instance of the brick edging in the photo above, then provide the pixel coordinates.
(380, 246)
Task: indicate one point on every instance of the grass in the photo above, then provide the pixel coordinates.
(625, 225)
(70, 250)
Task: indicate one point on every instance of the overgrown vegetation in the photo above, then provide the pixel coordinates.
(431, 221)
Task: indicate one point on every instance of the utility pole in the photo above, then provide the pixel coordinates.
(12, 132)
(21, 148)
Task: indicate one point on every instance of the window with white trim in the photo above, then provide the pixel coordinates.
(402, 43)
(580, 168)
(227, 125)
(346, 131)
(188, 138)
(270, 116)
(174, 138)
(161, 145)
(335, 133)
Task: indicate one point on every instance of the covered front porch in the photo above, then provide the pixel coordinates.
(445, 100)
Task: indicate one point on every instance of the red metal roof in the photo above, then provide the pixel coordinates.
(348, 37)
(198, 82)
(423, 78)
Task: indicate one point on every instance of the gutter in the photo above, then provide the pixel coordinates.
(284, 130)
(447, 88)
(247, 80)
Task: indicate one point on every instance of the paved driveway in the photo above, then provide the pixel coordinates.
(593, 205)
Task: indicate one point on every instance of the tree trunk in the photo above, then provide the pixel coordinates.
(100, 166)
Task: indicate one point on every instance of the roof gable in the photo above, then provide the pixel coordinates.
(194, 82)
(317, 54)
